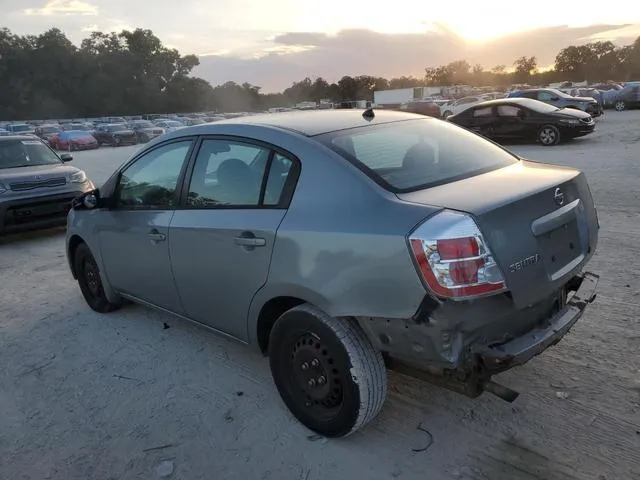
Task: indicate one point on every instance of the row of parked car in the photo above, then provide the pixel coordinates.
(593, 100)
(113, 131)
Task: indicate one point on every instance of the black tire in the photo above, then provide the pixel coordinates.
(447, 114)
(349, 374)
(89, 280)
(620, 106)
(549, 135)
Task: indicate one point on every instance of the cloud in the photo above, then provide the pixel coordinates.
(63, 7)
(289, 57)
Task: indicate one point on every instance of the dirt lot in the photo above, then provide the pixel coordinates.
(84, 396)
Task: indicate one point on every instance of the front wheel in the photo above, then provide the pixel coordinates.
(327, 371)
(90, 282)
(620, 106)
(447, 114)
(549, 135)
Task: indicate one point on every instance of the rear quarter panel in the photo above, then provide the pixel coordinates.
(342, 243)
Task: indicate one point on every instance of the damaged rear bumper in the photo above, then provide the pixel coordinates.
(402, 345)
(520, 350)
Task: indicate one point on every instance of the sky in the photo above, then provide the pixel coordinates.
(271, 43)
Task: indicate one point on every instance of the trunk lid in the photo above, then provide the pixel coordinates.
(539, 220)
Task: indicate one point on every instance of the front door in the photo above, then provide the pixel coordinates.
(134, 235)
(483, 120)
(511, 122)
(221, 238)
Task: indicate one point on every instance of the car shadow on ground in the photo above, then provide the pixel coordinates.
(31, 235)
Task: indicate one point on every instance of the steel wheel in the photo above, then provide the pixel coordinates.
(549, 135)
(620, 106)
(91, 276)
(326, 370)
(318, 379)
(89, 280)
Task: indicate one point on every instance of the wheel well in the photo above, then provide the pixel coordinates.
(73, 245)
(269, 313)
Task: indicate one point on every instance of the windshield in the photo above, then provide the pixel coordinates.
(412, 155)
(143, 125)
(172, 123)
(49, 129)
(26, 153)
(115, 128)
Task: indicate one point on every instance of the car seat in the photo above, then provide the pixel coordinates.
(237, 183)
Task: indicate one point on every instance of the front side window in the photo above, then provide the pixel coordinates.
(545, 96)
(412, 155)
(508, 111)
(227, 173)
(152, 180)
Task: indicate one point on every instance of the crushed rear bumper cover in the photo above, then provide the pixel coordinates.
(520, 350)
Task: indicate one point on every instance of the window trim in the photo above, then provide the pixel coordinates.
(287, 190)
(138, 156)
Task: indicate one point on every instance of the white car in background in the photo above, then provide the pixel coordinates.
(456, 106)
(169, 125)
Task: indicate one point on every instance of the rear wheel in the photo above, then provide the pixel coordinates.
(549, 135)
(327, 371)
(90, 282)
(620, 106)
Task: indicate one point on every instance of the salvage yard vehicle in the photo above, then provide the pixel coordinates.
(342, 244)
(115, 134)
(526, 119)
(560, 99)
(36, 185)
(145, 130)
(74, 140)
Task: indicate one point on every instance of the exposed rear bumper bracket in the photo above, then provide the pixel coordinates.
(520, 350)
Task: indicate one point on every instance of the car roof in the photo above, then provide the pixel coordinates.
(515, 100)
(312, 122)
(19, 137)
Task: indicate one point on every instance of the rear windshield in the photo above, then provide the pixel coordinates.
(25, 153)
(20, 128)
(412, 155)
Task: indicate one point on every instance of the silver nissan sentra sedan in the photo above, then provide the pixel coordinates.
(343, 243)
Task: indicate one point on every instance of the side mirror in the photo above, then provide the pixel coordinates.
(66, 157)
(88, 201)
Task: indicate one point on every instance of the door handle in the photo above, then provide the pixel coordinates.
(250, 241)
(156, 236)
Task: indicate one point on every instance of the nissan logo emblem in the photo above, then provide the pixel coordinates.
(558, 196)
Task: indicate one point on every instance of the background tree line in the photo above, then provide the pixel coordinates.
(131, 72)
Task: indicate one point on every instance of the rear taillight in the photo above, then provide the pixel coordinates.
(453, 257)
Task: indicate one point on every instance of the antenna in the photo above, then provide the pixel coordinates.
(368, 114)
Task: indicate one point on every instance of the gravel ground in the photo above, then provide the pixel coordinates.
(84, 396)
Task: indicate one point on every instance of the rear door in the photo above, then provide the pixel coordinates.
(222, 236)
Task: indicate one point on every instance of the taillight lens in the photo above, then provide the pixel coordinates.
(454, 258)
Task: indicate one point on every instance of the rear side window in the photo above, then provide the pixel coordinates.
(411, 155)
